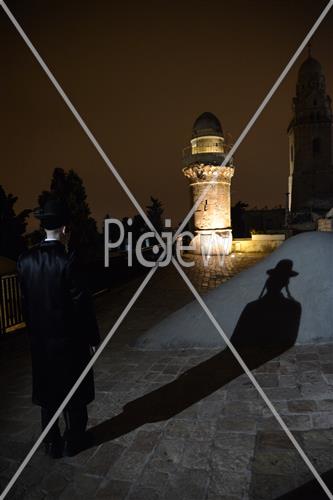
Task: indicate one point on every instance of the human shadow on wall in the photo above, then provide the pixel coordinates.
(266, 328)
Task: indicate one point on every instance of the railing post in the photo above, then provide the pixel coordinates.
(10, 303)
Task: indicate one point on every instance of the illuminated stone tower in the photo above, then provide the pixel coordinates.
(311, 143)
(202, 160)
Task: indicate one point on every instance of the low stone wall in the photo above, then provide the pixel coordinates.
(325, 225)
(261, 243)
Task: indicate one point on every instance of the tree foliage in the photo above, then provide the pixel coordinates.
(69, 187)
(154, 213)
(12, 226)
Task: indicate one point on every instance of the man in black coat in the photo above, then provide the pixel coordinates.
(63, 330)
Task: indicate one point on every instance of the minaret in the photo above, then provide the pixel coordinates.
(202, 160)
(311, 142)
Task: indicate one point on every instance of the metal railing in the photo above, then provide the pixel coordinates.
(11, 316)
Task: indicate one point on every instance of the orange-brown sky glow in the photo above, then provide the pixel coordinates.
(140, 73)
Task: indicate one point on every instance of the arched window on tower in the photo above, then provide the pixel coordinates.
(315, 146)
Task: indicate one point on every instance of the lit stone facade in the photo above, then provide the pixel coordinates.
(203, 159)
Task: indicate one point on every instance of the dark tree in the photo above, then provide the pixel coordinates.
(237, 219)
(35, 237)
(12, 226)
(69, 187)
(154, 213)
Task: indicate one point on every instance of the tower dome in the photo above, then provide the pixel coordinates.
(207, 124)
(309, 69)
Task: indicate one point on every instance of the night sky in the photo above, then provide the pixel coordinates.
(139, 74)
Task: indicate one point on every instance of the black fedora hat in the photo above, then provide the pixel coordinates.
(284, 269)
(53, 214)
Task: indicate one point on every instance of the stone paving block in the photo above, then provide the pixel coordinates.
(177, 428)
(196, 455)
(273, 462)
(298, 422)
(268, 423)
(113, 490)
(172, 369)
(283, 393)
(273, 440)
(208, 409)
(311, 377)
(244, 408)
(316, 391)
(14, 449)
(318, 439)
(167, 455)
(327, 367)
(228, 484)
(323, 421)
(129, 466)
(321, 459)
(307, 366)
(187, 485)
(267, 379)
(280, 406)
(214, 496)
(145, 441)
(243, 394)
(229, 440)
(54, 483)
(293, 422)
(151, 477)
(329, 378)
(103, 458)
(269, 487)
(234, 460)
(142, 493)
(203, 430)
(324, 404)
(302, 406)
(307, 356)
(239, 424)
(287, 367)
(288, 380)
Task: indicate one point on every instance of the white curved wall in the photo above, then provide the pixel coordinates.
(312, 256)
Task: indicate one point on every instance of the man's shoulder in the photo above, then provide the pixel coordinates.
(38, 249)
(26, 254)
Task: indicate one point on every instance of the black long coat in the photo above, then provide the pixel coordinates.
(61, 321)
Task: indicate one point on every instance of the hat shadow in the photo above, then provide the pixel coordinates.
(266, 328)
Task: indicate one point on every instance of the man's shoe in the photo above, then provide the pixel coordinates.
(54, 448)
(57, 448)
(47, 447)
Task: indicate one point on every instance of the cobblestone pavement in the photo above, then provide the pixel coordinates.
(227, 445)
